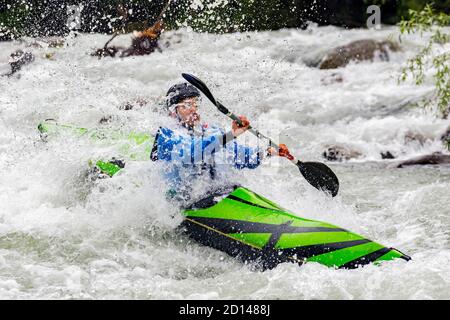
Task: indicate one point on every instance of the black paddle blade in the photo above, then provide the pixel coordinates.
(319, 176)
(199, 85)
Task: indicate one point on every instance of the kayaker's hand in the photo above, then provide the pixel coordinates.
(238, 130)
(283, 152)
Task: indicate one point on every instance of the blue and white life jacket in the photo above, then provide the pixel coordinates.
(193, 154)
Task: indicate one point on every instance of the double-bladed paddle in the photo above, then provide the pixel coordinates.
(317, 174)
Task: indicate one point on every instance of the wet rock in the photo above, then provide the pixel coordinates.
(126, 106)
(107, 52)
(387, 155)
(174, 38)
(332, 79)
(50, 42)
(412, 137)
(130, 105)
(431, 159)
(56, 42)
(106, 119)
(340, 153)
(359, 50)
(18, 59)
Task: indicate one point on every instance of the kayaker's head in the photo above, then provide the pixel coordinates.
(181, 101)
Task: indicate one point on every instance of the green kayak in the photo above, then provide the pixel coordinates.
(249, 226)
(135, 146)
(246, 225)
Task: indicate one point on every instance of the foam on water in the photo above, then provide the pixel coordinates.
(64, 236)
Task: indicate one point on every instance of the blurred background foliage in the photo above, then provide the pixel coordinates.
(49, 17)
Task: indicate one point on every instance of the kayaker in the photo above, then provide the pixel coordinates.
(195, 152)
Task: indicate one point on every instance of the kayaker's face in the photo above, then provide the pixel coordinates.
(187, 112)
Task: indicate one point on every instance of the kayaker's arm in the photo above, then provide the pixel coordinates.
(251, 158)
(169, 146)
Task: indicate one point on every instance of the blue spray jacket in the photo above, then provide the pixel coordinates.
(209, 152)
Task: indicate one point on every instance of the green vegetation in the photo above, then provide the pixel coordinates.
(12, 20)
(428, 20)
(219, 16)
(447, 144)
(418, 5)
(49, 17)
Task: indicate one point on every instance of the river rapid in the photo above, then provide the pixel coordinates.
(65, 237)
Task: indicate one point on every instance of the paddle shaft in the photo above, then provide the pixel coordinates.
(258, 134)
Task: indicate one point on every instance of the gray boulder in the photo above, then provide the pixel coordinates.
(415, 137)
(359, 50)
(18, 59)
(340, 153)
(433, 159)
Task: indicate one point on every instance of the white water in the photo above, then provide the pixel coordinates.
(62, 237)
